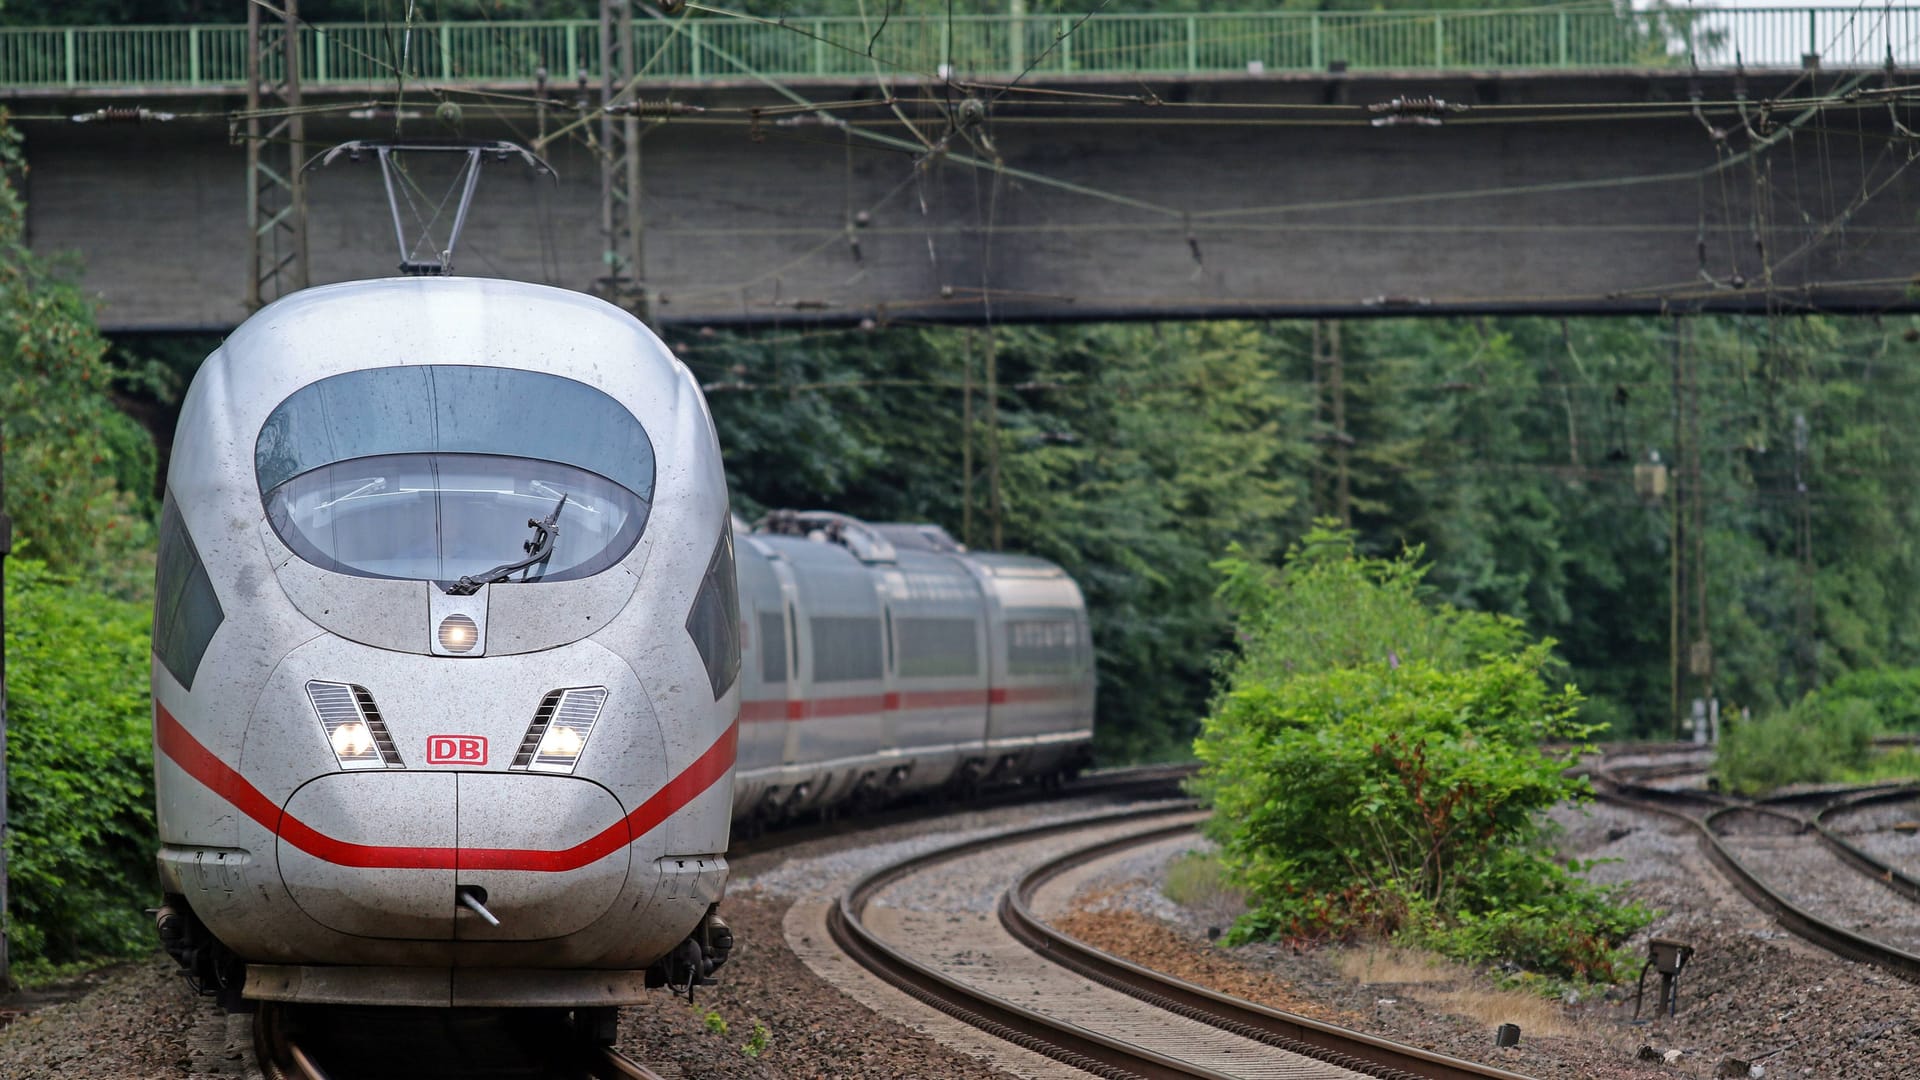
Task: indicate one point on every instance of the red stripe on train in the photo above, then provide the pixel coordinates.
(223, 780)
(771, 710)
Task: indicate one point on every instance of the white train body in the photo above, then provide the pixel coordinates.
(377, 786)
(882, 660)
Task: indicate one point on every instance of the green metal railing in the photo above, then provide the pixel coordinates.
(992, 46)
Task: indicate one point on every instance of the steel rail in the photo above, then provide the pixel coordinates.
(611, 1064)
(1886, 873)
(1092, 1051)
(1799, 921)
(1302, 1035)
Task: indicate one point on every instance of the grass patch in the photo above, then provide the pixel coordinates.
(1901, 764)
(1454, 988)
(1197, 880)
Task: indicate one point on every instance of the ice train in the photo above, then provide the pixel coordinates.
(463, 668)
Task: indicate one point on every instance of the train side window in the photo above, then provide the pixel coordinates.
(936, 647)
(714, 622)
(888, 615)
(1043, 646)
(773, 648)
(186, 612)
(846, 648)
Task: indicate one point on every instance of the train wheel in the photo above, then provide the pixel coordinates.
(270, 1038)
(597, 1026)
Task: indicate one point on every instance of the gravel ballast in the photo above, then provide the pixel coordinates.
(1751, 991)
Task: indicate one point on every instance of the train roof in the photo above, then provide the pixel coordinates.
(889, 542)
(481, 322)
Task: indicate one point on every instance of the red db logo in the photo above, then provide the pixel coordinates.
(456, 750)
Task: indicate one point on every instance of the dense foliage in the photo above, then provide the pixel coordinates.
(79, 471)
(80, 794)
(1814, 740)
(1508, 448)
(1374, 766)
(79, 486)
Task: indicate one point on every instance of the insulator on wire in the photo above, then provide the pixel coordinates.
(122, 114)
(657, 108)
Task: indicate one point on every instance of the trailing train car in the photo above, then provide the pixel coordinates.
(463, 669)
(882, 660)
(446, 654)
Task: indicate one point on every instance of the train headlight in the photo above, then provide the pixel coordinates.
(560, 742)
(458, 633)
(353, 726)
(560, 729)
(352, 740)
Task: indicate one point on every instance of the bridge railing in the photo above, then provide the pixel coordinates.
(988, 46)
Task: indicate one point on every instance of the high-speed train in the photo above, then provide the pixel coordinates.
(463, 668)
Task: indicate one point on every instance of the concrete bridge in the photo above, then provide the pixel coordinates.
(1142, 167)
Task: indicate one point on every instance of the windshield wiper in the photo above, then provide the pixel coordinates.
(371, 486)
(538, 550)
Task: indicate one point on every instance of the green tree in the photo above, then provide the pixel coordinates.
(79, 472)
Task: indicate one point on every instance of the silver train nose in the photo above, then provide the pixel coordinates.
(453, 856)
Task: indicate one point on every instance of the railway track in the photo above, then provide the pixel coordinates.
(365, 1044)
(1141, 780)
(1713, 816)
(1825, 824)
(1020, 980)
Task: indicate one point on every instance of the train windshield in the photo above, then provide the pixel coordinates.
(431, 473)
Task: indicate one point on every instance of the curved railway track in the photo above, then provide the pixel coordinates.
(1708, 814)
(1100, 1013)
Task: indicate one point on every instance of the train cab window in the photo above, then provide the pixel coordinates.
(431, 472)
(185, 610)
(714, 622)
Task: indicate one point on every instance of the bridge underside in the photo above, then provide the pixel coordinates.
(1254, 196)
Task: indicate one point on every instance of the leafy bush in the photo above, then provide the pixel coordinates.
(1822, 737)
(80, 797)
(1894, 694)
(1374, 764)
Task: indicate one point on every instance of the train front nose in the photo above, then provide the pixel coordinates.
(435, 855)
(426, 796)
